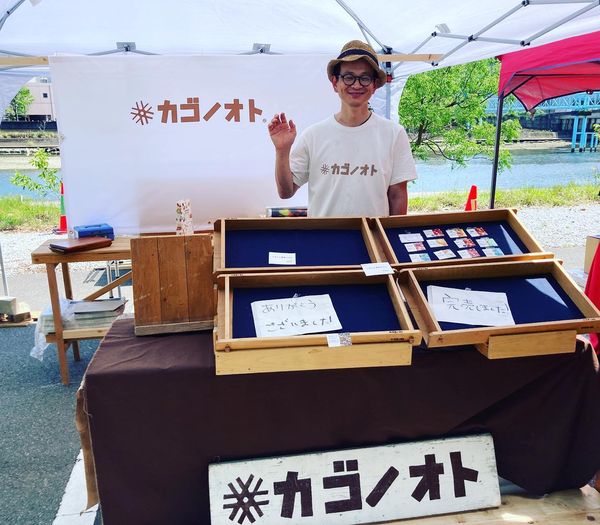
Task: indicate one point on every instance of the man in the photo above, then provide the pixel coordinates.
(356, 163)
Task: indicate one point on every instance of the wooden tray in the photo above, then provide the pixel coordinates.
(243, 245)
(535, 289)
(239, 351)
(513, 237)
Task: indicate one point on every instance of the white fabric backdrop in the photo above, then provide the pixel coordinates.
(131, 175)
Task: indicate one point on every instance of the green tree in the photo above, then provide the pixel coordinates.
(444, 113)
(45, 181)
(20, 104)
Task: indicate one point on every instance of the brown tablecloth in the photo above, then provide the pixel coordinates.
(158, 416)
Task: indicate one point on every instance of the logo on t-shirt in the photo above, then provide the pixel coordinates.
(344, 169)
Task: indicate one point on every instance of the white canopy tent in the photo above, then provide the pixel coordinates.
(219, 34)
(464, 30)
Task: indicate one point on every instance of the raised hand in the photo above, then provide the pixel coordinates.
(282, 132)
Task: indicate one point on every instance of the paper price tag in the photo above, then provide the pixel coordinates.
(382, 268)
(334, 340)
(282, 258)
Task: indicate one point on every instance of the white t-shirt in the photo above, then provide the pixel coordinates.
(349, 169)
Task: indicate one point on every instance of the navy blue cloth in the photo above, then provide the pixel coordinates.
(250, 248)
(508, 241)
(359, 307)
(532, 299)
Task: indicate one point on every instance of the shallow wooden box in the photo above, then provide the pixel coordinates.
(243, 245)
(502, 225)
(370, 309)
(548, 307)
(173, 289)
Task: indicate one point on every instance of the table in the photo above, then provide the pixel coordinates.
(158, 416)
(118, 250)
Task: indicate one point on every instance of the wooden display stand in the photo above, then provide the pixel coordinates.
(519, 340)
(420, 222)
(245, 355)
(290, 225)
(173, 289)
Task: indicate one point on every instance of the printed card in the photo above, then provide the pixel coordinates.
(444, 254)
(477, 231)
(410, 237)
(415, 247)
(453, 233)
(282, 258)
(419, 257)
(433, 233)
(455, 305)
(464, 243)
(437, 243)
(486, 242)
(469, 254)
(490, 252)
(311, 314)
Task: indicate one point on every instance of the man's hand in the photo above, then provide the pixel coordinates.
(282, 132)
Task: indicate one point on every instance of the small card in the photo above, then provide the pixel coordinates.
(282, 258)
(491, 252)
(468, 254)
(477, 231)
(486, 242)
(453, 233)
(415, 247)
(410, 237)
(455, 305)
(419, 257)
(437, 243)
(464, 243)
(445, 254)
(381, 268)
(433, 233)
(342, 339)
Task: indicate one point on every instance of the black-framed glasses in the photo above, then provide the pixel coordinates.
(348, 79)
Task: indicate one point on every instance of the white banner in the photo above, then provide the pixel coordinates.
(139, 133)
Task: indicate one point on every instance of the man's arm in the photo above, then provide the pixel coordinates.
(398, 198)
(283, 134)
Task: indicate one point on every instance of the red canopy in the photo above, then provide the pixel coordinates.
(560, 68)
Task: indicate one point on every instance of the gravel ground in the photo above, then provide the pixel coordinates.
(552, 227)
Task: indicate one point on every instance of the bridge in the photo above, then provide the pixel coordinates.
(579, 105)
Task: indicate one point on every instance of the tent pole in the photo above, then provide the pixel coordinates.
(496, 151)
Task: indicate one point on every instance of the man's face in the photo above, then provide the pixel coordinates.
(355, 95)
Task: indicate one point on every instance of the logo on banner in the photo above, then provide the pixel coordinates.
(192, 111)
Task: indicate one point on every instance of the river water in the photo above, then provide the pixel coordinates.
(531, 168)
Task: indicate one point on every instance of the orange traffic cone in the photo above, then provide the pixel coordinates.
(471, 204)
(62, 224)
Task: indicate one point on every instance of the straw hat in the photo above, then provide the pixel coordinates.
(355, 50)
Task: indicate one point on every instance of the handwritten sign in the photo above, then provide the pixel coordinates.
(454, 305)
(282, 258)
(364, 485)
(382, 268)
(311, 314)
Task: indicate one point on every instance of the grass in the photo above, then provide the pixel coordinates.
(28, 214)
(32, 215)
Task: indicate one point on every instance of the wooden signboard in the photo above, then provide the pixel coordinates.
(547, 307)
(173, 289)
(375, 327)
(472, 237)
(365, 485)
(292, 244)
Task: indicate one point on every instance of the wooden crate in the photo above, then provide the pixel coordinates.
(541, 279)
(243, 245)
(516, 241)
(243, 353)
(173, 290)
